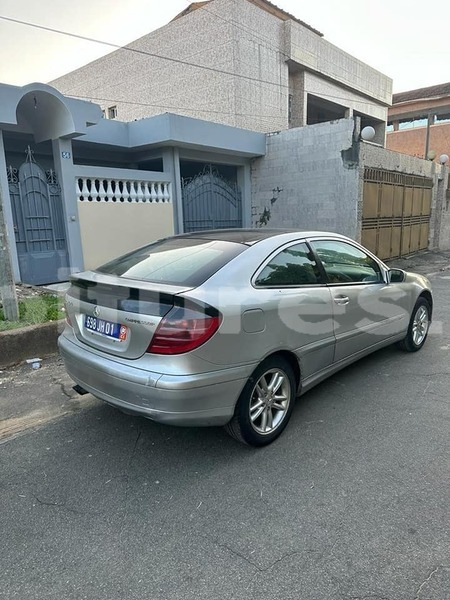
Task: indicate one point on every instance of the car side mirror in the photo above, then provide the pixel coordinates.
(396, 276)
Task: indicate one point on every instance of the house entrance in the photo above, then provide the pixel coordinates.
(211, 199)
(396, 213)
(38, 223)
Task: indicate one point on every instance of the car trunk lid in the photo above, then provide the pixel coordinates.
(117, 317)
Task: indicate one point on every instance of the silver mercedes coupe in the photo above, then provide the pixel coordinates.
(227, 327)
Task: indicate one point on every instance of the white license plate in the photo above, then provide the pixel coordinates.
(106, 328)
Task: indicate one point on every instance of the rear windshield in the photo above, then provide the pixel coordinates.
(175, 261)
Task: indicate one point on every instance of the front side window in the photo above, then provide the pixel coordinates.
(344, 263)
(292, 266)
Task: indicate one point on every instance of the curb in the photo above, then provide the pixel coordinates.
(40, 340)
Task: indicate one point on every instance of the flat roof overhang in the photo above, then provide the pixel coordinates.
(41, 110)
(175, 130)
(418, 110)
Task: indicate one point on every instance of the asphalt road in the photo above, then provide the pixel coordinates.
(351, 503)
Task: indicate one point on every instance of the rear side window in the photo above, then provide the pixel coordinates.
(175, 261)
(292, 266)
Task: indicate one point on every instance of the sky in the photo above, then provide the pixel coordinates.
(401, 38)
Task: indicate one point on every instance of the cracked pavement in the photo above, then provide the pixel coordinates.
(351, 503)
(30, 398)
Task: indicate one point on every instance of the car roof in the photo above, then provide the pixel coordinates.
(251, 236)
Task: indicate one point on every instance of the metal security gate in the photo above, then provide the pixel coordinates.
(38, 223)
(210, 202)
(396, 213)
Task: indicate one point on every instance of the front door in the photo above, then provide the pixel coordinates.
(364, 311)
(38, 223)
(298, 307)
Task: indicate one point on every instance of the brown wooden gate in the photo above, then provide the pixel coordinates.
(396, 213)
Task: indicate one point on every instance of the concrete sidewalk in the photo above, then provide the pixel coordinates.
(425, 262)
(31, 397)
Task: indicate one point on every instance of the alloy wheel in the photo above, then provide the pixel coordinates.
(270, 401)
(420, 325)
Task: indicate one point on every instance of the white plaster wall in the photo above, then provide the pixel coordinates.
(111, 229)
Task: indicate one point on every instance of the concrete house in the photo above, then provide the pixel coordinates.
(244, 63)
(267, 130)
(79, 190)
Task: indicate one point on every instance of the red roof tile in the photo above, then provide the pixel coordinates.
(433, 91)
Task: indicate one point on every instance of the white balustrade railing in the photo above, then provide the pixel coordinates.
(97, 189)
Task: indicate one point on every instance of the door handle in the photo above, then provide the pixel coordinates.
(341, 300)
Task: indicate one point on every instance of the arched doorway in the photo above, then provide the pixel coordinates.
(38, 223)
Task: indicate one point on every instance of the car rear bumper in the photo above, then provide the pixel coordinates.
(193, 400)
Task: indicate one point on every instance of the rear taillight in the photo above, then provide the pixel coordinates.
(184, 329)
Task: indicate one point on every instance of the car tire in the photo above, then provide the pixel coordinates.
(418, 327)
(265, 405)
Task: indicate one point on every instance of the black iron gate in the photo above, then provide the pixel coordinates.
(210, 202)
(38, 223)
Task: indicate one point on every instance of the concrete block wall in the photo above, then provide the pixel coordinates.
(305, 180)
(381, 158)
(441, 217)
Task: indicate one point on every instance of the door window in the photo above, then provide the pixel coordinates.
(292, 266)
(344, 263)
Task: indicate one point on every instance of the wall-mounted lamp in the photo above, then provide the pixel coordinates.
(368, 133)
(443, 158)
